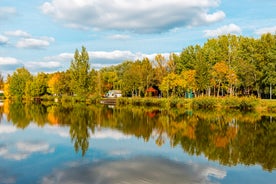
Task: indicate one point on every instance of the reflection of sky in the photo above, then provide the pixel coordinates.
(134, 171)
(46, 155)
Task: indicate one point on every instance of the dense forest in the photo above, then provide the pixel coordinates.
(226, 65)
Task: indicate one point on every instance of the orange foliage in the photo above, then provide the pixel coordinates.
(53, 120)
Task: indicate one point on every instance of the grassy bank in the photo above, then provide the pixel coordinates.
(242, 103)
(204, 102)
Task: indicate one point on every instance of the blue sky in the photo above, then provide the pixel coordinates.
(42, 35)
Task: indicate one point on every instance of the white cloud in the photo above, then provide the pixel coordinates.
(34, 42)
(5, 12)
(17, 33)
(227, 29)
(8, 61)
(3, 40)
(140, 16)
(119, 37)
(34, 65)
(61, 57)
(116, 54)
(264, 30)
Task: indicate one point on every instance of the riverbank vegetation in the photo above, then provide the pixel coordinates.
(225, 66)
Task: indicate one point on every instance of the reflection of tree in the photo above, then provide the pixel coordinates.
(1, 112)
(79, 128)
(231, 137)
(19, 114)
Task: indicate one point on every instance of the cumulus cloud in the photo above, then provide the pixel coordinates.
(61, 62)
(26, 40)
(34, 43)
(17, 33)
(264, 30)
(227, 29)
(140, 16)
(100, 59)
(3, 40)
(8, 61)
(43, 66)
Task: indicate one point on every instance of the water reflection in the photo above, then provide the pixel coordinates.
(136, 170)
(230, 137)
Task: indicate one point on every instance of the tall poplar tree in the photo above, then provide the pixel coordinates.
(79, 72)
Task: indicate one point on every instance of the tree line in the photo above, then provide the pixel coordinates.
(226, 65)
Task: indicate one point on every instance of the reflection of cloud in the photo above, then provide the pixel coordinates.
(107, 133)
(5, 179)
(28, 147)
(24, 149)
(62, 132)
(7, 129)
(142, 170)
(120, 152)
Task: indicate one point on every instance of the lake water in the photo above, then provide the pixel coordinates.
(49, 144)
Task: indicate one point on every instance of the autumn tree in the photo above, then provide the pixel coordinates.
(159, 68)
(58, 83)
(170, 84)
(188, 80)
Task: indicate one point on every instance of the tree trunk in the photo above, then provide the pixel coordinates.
(270, 91)
(218, 89)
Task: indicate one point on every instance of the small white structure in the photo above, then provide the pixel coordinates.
(113, 94)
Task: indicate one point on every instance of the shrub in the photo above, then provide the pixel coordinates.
(204, 102)
(249, 103)
(231, 102)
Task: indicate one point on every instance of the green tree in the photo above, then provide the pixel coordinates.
(79, 73)
(38, 86)
(270, 72)
(187, 59)
(203, 72)
(18, 82)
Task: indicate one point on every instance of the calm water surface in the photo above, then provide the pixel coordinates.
(49, 144)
